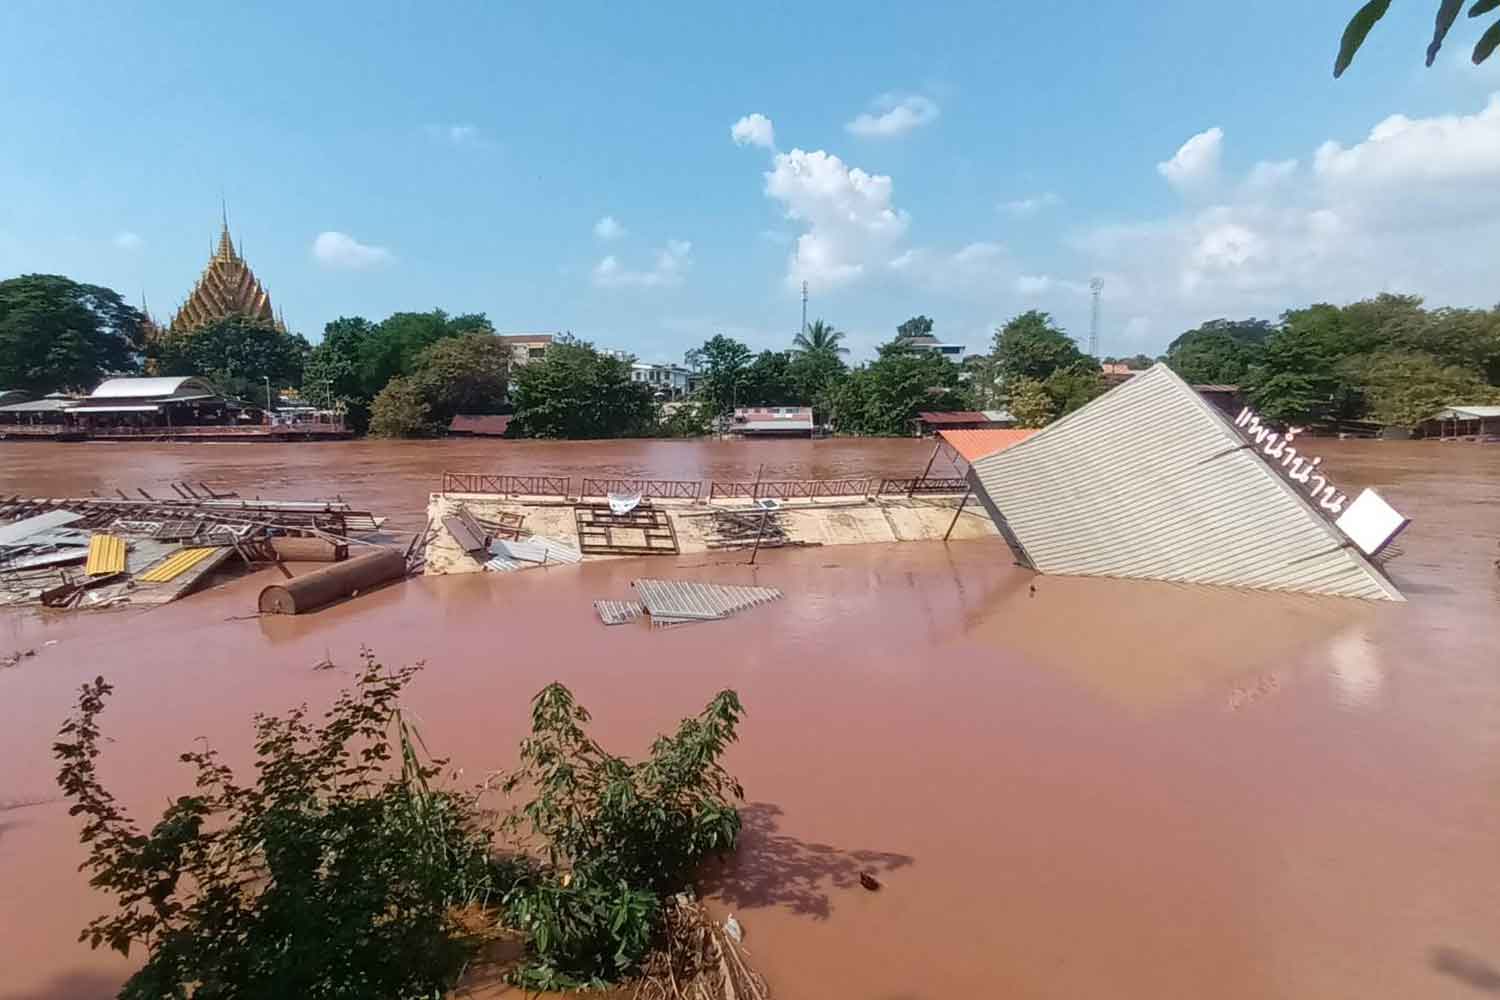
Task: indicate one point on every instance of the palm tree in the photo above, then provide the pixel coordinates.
(820, 338)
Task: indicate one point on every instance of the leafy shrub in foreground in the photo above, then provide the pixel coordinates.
(330, 876)
(618, 836)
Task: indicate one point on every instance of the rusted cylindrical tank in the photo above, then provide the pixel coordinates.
(310, 550)
(324, 586)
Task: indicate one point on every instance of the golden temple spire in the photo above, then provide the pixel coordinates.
(227, 287)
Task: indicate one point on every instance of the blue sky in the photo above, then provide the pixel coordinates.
(378, 157)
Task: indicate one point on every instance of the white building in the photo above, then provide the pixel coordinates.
(666, 381)
(928, 344)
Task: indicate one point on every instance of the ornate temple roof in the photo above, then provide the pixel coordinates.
(228, 287)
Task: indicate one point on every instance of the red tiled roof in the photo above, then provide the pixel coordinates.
(955, 417)
(473, 423)
(973, 445)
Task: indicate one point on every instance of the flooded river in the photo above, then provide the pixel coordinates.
(1102, 789)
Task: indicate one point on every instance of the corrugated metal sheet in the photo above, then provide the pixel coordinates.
(975, 444)
(618, 612)
(689, 600)
(175, 565)
(13, 533)
(106, 556)
(1150, 481)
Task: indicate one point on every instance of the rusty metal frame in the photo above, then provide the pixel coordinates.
(507, 485)
(662, 489)
(919, 485)
(596, 525)
(790, 489)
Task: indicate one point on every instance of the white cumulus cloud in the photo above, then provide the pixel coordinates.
(1412, 207)
(1030, 205)
(894, 116)
(754, 130)
(341, 251)
(128, 241)
(608, 228)
(850, 223)
(667, 270)
(1196, 162)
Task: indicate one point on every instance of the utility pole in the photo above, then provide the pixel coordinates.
(1096, 285)
(804, 307)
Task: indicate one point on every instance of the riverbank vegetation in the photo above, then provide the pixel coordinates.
(349, 868)
(1387, 360)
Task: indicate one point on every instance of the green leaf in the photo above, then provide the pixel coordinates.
(1447, 13)
(1483, 7)
(1487, 43)
(1354, 34)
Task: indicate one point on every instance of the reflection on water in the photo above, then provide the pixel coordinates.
(1354, 670)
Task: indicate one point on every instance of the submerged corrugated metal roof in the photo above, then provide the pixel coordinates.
(1150, 481)
(175, 565)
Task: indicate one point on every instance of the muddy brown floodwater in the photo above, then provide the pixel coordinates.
(1105, 789)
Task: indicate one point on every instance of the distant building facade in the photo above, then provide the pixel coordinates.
(666, 381)
(772, 421)
(527, 347)
(926, 343)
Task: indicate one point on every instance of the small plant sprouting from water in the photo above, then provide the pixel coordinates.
(332, 875)
(618, 837)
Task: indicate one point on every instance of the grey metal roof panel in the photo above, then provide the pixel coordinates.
(1149, 481)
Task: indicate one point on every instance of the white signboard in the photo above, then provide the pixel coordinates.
(1371, 523)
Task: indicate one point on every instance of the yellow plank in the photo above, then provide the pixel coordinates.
(106, 555)
(175, 565)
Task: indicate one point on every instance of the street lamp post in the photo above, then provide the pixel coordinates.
(268, 397)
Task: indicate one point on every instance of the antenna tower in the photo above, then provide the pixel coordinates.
(804, 307)
(1096, 285)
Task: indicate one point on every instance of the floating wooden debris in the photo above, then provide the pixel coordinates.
(619, 612)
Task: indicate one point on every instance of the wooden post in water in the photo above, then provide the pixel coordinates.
(764, 513)
(954, 523)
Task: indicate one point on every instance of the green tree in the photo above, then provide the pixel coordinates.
(1220, 352)
(57, 334)
(820, 338)
(814, 374)
(1403, 389)
(685, 420)
(1299, 378)
(883, 397)
(392, 348)
(331, 376)
(768, 381)
(1073, 386)
(1032, 346)
(725, 364)
(1030, 403)
(577, 392)
(400, 410)
(237, 353)
(1365, 18)
(917, 326)
(464, 374)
